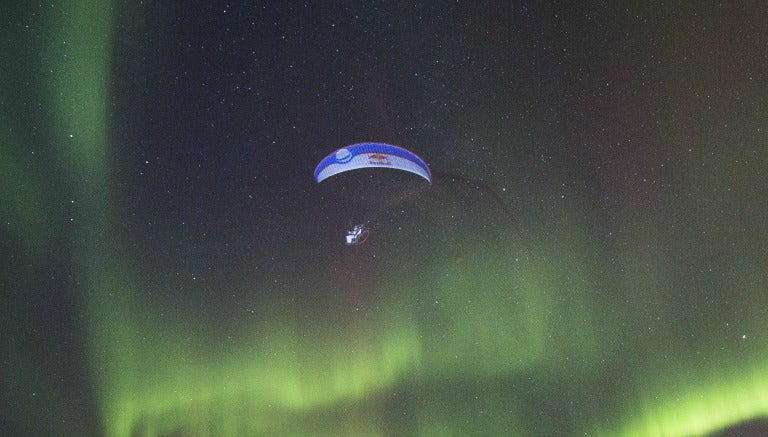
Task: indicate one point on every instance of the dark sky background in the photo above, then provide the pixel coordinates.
(589, 259)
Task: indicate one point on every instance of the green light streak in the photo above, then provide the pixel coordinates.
(694, 399)
(77, 56)
(275, 365)
(79, 53)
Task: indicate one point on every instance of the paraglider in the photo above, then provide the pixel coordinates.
(369, 155)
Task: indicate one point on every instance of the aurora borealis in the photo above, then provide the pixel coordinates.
(591, 262)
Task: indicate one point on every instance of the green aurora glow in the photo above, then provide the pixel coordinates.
(491, 343)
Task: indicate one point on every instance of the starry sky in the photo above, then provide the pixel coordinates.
(590, 258)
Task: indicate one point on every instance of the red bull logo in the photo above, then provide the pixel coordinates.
(378, 159)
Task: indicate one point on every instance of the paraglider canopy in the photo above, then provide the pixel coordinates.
(367, 155)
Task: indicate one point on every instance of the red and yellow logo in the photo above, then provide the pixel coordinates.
(378, 159)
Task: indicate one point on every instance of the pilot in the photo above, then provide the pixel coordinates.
(357, 235)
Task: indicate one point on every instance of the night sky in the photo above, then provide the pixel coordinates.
(590, 258)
